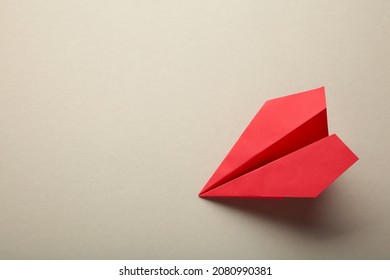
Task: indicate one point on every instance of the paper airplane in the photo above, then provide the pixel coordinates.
(285, 151)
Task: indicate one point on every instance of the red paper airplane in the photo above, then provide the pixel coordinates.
(285, 151)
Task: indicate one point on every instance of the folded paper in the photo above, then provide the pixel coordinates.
(285, 151)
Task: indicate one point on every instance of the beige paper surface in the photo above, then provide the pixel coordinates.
(114, 114)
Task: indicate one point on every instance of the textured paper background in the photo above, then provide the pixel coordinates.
(114, 114)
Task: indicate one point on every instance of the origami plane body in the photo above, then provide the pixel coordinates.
(285, 151)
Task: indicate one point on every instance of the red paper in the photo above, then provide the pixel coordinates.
(284, 152)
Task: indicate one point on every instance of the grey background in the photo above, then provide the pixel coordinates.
(114, 114)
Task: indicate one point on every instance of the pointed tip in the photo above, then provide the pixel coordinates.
(201, 195)
(202, 191)
(353, 155)
(320, 90)
(209, 185)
